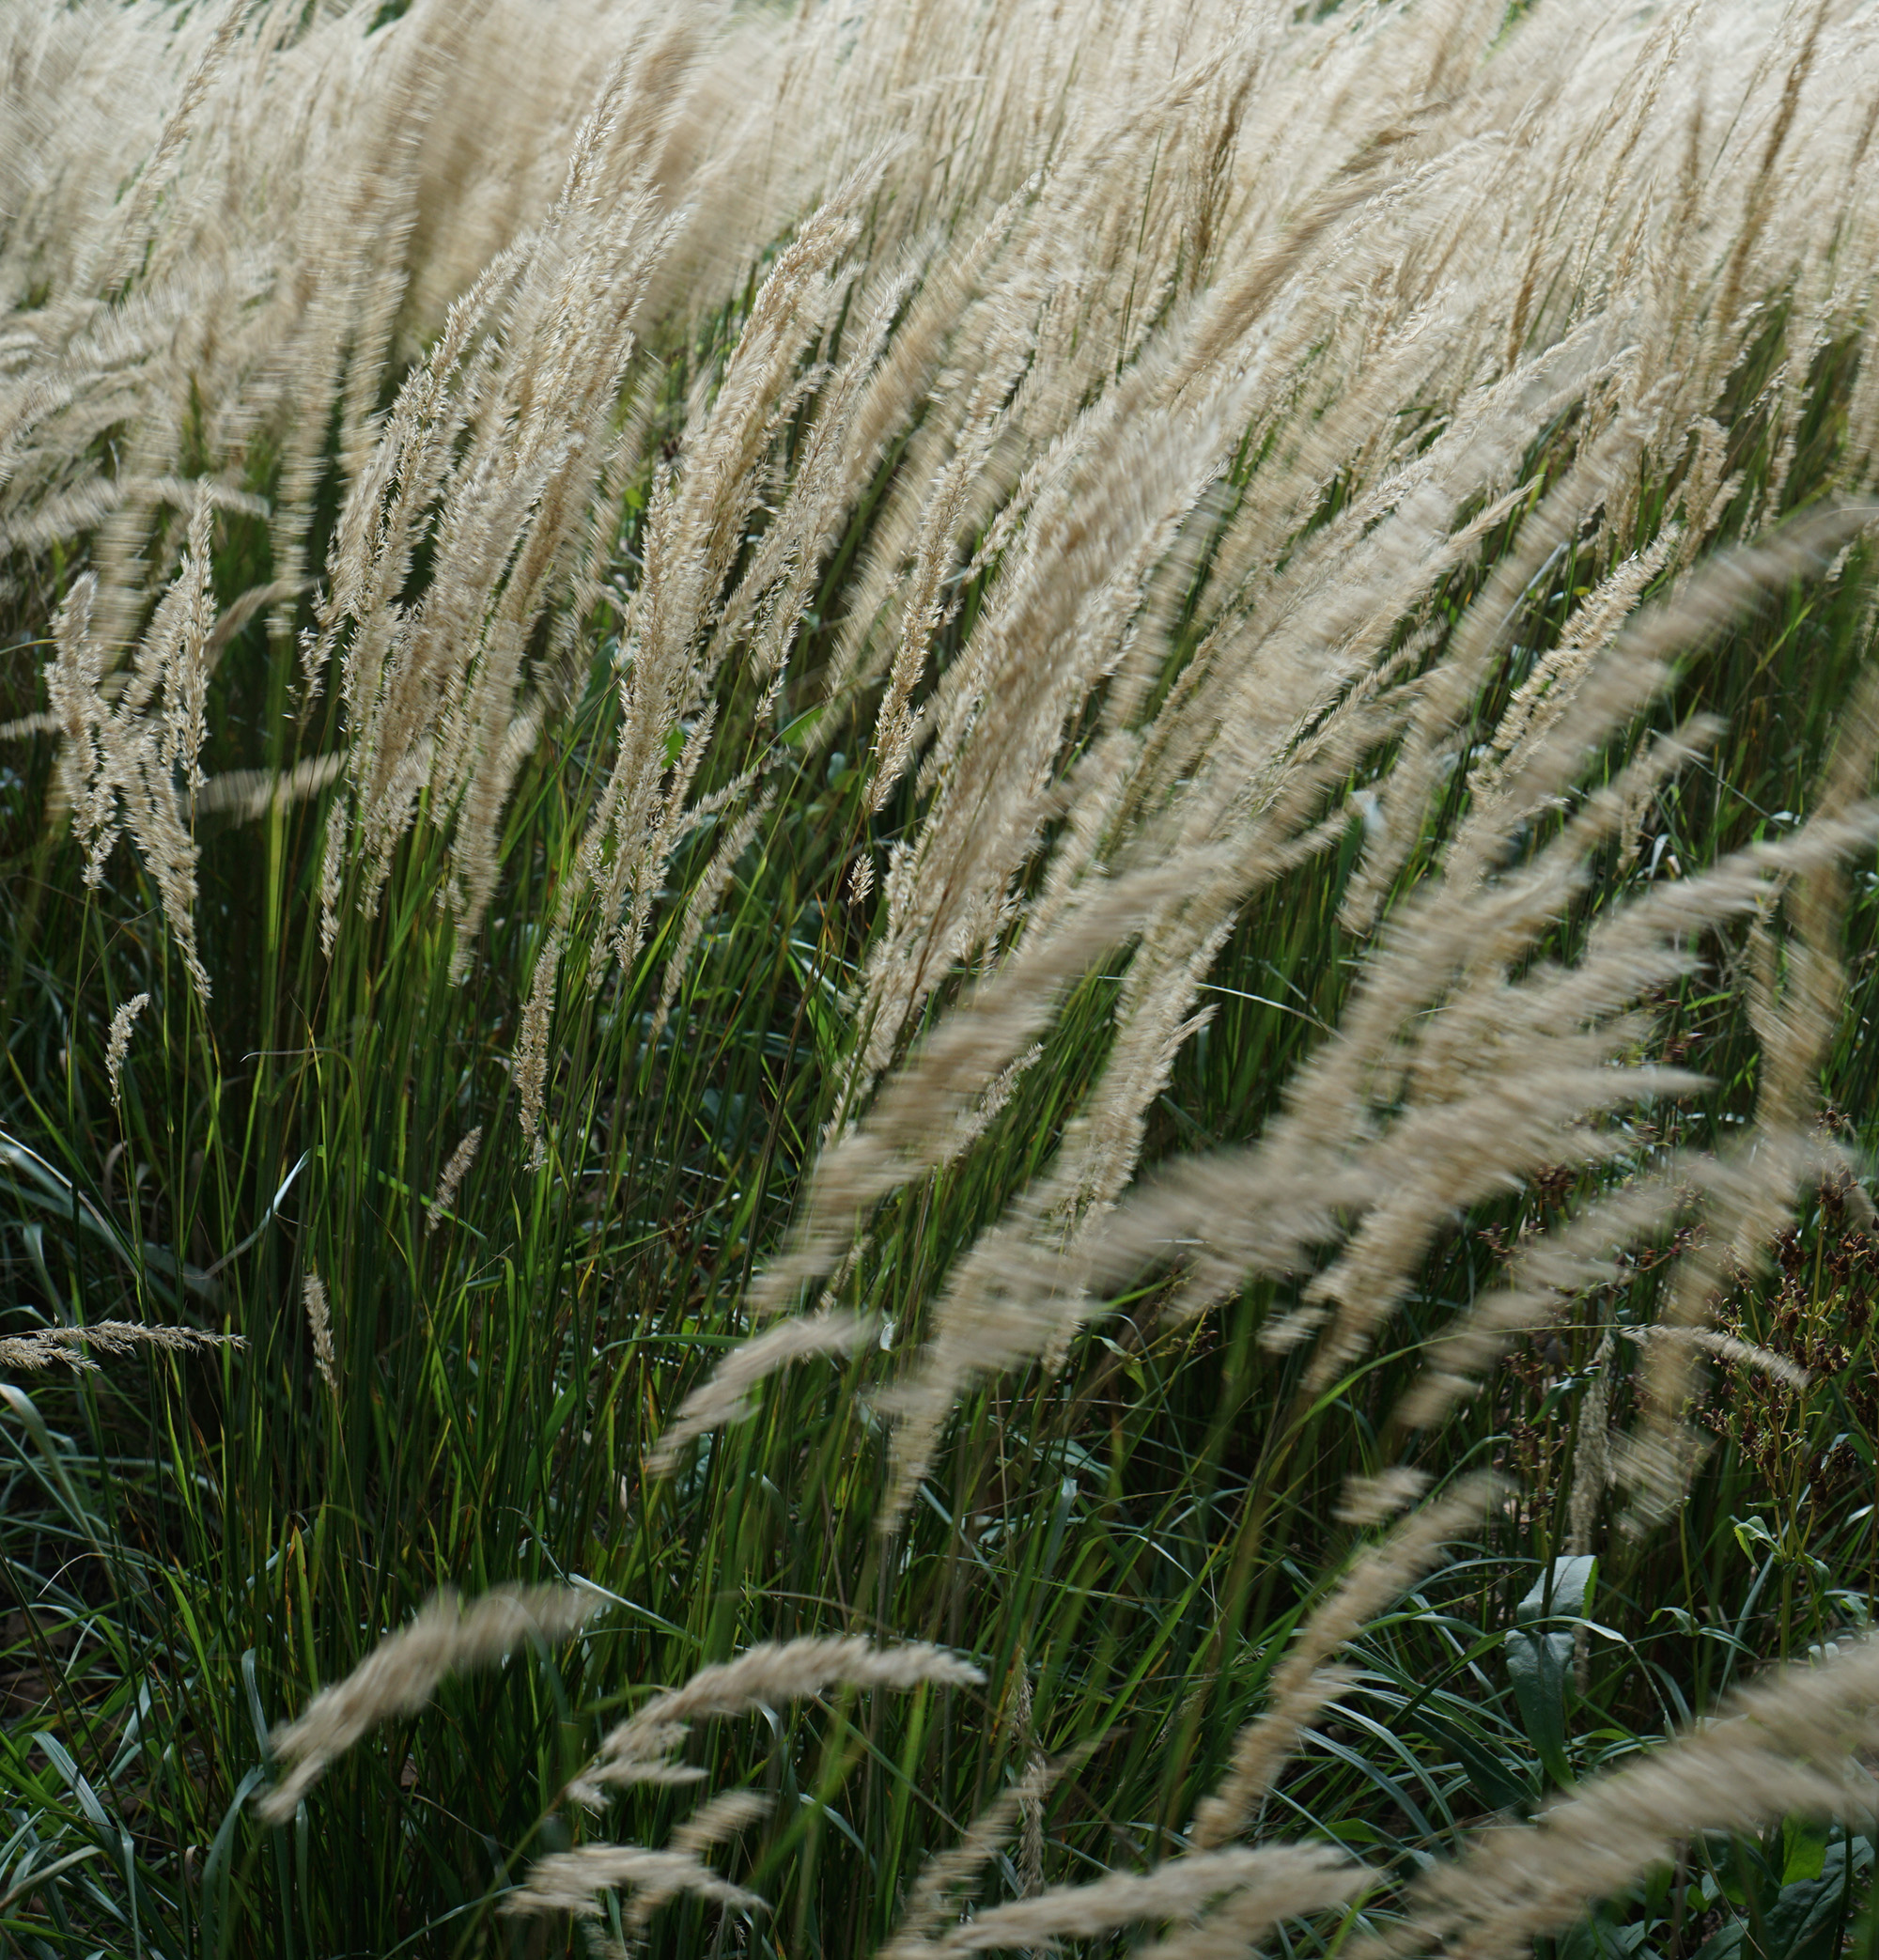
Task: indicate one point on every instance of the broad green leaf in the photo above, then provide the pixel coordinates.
(1539, 1663)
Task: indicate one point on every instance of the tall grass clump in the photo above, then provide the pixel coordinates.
(939, 946)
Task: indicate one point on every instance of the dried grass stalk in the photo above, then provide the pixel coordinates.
(1258, 1886)
(640, 1750)
(451, 1179)
(933, 1900)
(72, 1346)
(1302, 1683)
(119, 1046)
(569, 1881)
(404, 1670)
(726, 1395)
(319, 1323)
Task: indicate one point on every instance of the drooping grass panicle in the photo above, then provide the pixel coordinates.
(912, 1122)
(450, 1180)
(1303, 1683)
(319, 1325)
(1248, 1889)
(119, 1047)
(726, 1394)
(571, 1881)
(640, 1750)
(135, 761)
(932, 1901)
(73, 1346)
(402, 1672)
(1796, 1030)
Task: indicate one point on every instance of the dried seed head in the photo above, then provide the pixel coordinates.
(403, 1671)
(451, 1182)
(320, 1320)
(120, 1046)
(73, 1345)
(639, 1750)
